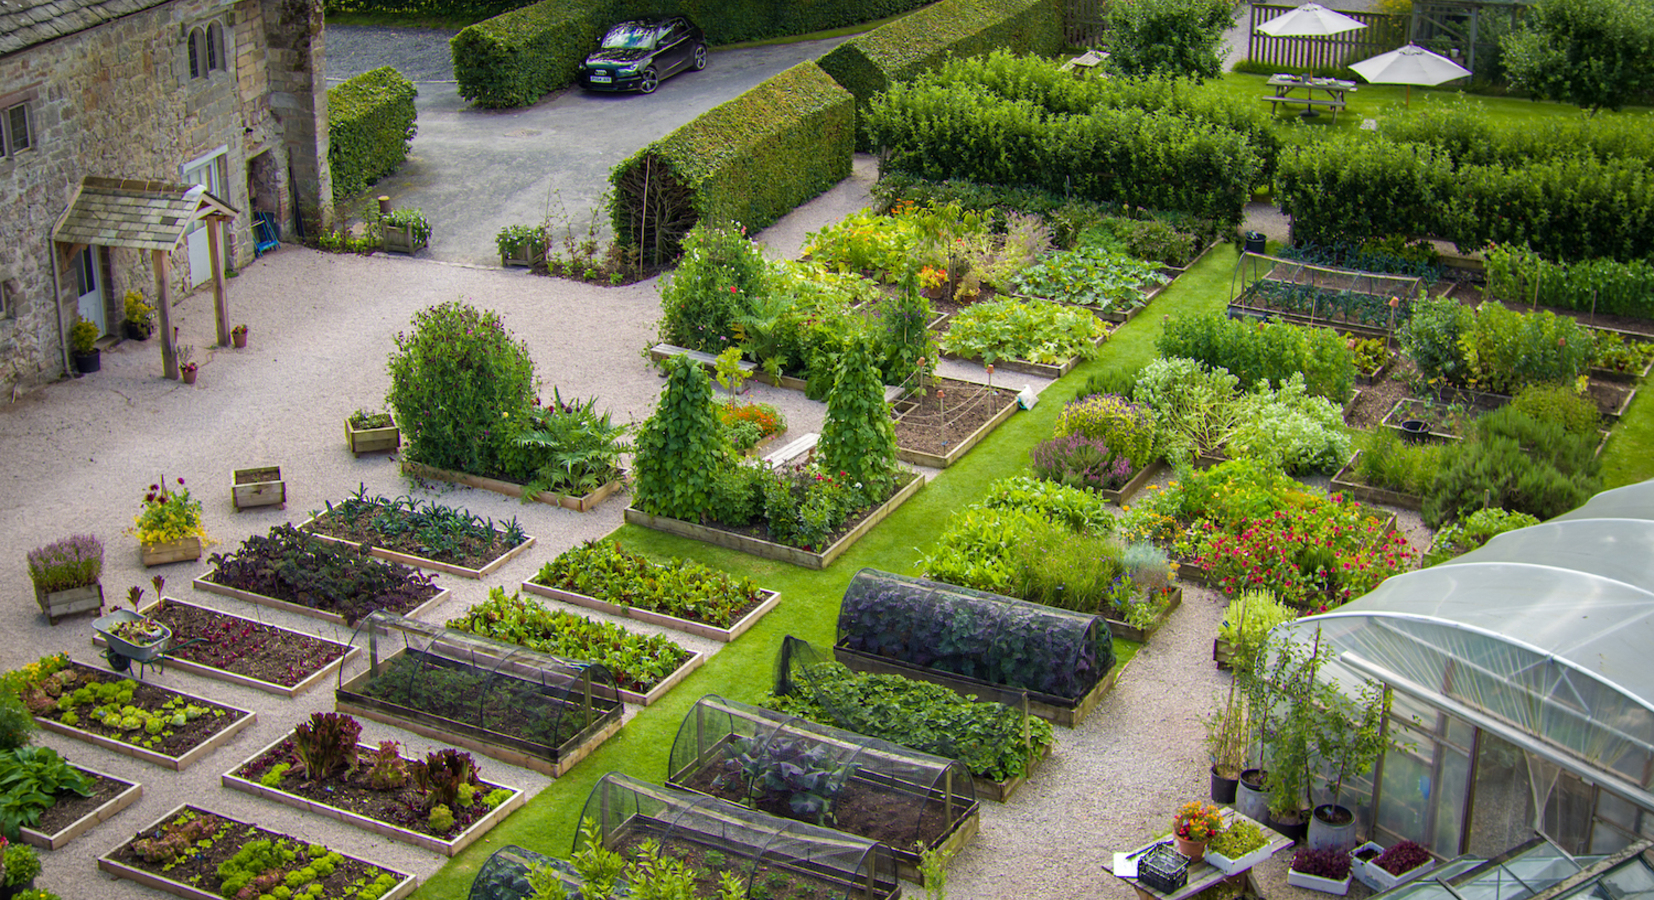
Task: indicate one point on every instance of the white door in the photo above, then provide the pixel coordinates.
(90, 288)
(205, 171)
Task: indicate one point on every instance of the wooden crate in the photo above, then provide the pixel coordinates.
(57, 604)
(260, 486)
(172, 551)
(372, 440)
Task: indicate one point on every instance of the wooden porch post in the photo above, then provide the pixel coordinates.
(220, 309)
(163, 305)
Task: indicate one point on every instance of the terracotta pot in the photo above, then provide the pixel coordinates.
(188, 375)
(1194, 850)
(239, 341)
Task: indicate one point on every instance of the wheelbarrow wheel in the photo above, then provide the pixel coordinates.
(117, 661)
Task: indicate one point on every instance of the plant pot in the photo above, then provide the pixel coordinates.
(172, 551)
(1293, 825)
(12, 890)
(1415, 431)
(57, 604)
(87, 363)
(1251, 800)
(238, 341)
(135, 332)
(372, 440)
(1193, 850)
(187, 375)
(1317, 883)
(1332, 828)
(1223, 789)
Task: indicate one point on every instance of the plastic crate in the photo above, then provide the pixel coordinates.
(1164, 869)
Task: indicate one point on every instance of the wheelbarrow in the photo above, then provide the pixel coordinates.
(122, 653)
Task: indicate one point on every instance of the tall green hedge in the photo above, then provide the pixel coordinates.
(750, 160)
(515, 59)
(370, 126)
(898, 51)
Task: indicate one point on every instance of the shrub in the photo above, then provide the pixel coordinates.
(563, 448)
(681, 449)
(1126, 427)
(1517, 463)
(1472, 532)
(1082, 572)
(1291, 429)
(1561, 403)
(750, 160)
(454, 379)
(1471, 137)
(1505, 350)
(1258, 351)
(718, 281)
(370, 128)
(858, 440)
(1081, 462)
(1168, 37)
(1591, 53)
(515, 58)
(909, 346)
(1430, 337)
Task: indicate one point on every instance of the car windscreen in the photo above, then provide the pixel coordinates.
(630, 37)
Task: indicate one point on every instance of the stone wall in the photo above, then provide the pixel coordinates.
(118, 100)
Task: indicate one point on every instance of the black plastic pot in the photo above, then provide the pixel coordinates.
(86, 363)
(1295, 827)
(1416, 431)
(135, 332)
(1223, 789)
(1250, 797)
(1256, 242)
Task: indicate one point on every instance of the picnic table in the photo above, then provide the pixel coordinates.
(1285, 85)
(1201, 874)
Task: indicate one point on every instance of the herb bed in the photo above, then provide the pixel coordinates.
(1346, 482)
(421, 534)
(1128, 632)
(175, 747)
(241, 651)
(72, 815)
(579, 503)
(350, 799)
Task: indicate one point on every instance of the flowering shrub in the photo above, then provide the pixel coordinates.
(169, 514)
(1127, 428)
(1318, 557)
(1081, 462)
(719, 279)
(72, 562)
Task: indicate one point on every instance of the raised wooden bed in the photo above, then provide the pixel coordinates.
(1368, 379)
(420, 562)
(771, 550)
(1614, 414)
(1003, 791)
(1058, 710)
(372, 440)
(384, 829)
(181, 550)
(331, 670)
(526, 255)
(1127, 632)
(108, 862)
(1356, 490)
(553, 761)
(242, 719)
(73, 601)
(400, 239)
(579, 504)
(934, 461)
(699, 629)
(202, 584)
(261, 486)
(1135, 486)
(1043, 370)
(85, 823)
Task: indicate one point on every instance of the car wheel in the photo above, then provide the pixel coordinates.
(648, 81)
(700, 57)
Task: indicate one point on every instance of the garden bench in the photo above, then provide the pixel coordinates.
(663, 352)
(793, 450)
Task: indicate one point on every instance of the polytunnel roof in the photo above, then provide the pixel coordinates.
(1543, 634)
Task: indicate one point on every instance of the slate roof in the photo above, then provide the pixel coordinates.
(143, 215)
(25, 23)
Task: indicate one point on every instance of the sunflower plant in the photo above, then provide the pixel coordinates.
(169, 514)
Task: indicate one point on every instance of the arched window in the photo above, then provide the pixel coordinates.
(215, 47)
(197, 53)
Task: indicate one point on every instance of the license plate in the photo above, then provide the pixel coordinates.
(600, 79)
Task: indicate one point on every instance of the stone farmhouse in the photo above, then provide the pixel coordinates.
(107, 106)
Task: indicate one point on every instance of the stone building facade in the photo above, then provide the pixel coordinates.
(229, 94)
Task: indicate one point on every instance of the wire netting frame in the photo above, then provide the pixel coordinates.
(504, 875)
(703, 742)
(1255, 269)
(621, 805)
(561, 685)
(997, 646)
(906, 407)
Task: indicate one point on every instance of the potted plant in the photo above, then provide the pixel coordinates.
(1403, 862)
(169, 527)
(65, 575)
(140, 317)
(83, 342)
(521, 245)
(369, 431)
(22, 865)
(1349, 737)
(186, 364)
(1286, 684)
(1194, 826)
(238, 337)
(1226, 744)
(1237, 848)
(1327, 871)
(404, 231)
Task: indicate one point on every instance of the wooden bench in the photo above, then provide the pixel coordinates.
(793, 450)
(663, 352)
(1306, 101)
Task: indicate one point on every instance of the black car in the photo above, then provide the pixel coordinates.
(639, 54)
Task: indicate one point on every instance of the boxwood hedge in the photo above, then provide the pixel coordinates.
(896, 52)
(749, 160)
(516, 58)
(370, 126)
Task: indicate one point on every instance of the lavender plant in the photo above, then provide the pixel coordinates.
(70, 562)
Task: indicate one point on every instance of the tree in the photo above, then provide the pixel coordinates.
(1591, 53)
(1169, 37)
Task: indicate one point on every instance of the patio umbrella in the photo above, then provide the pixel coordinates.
(1309, 20)
(1409, 65)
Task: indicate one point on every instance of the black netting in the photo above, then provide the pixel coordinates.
(505, 875)
(493, 692)
(797, 769)
(773, 856)
(975, 634)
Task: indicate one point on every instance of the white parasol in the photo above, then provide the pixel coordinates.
(1409, 65)
(1309, 20)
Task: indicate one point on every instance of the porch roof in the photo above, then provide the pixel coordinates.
(142, 215)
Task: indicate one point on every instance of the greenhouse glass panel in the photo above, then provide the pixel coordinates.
(1059, 656)
(505, 875)
(524, 707)
(797, 769)
(779, 857)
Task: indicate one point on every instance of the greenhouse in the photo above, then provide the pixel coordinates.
(1537, 870)
(975, 642)
(781, 858)
(1524, 690)
(517, 705)
(796, 769)
(505, 875)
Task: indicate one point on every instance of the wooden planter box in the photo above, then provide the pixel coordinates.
(420, 562)
(1135, 486)
(1368, 379)
(699, 629)
(41, 840)
(553, 761)
(172, 551)
(1613, 415)
(1126, 632)
(400, 239)
(202, 584)
(586, 503)
(331, 670)
(1355, 490)
(954, 454)
(108, 863)
(1003, 791)
(372, 440)
(770, 550)
(419, 839)
(1223, 653)
(525, 255)
(258, 487)
(243, 719)
(73, 601)
(1057, 710)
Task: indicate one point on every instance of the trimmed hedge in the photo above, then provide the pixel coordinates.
(733, 21)
(1472, 138)
(871, 63)
(750, 160)
(370, 126)
(517, 58)
(1151, 159)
